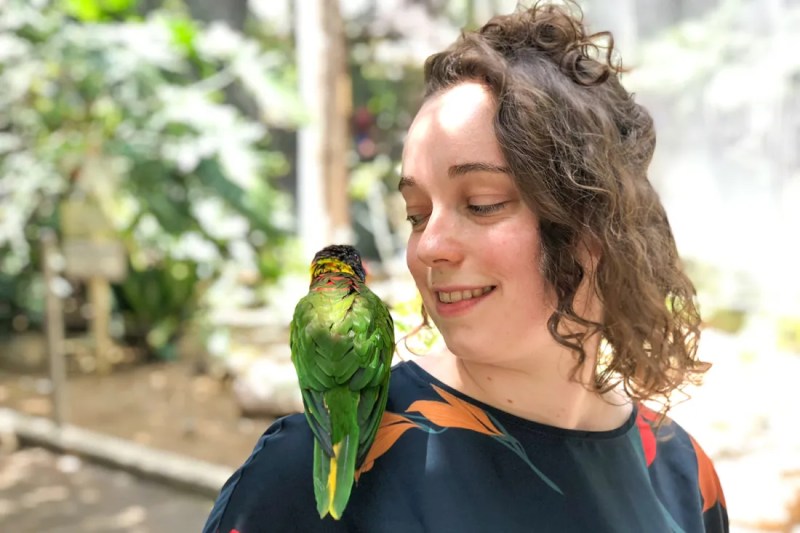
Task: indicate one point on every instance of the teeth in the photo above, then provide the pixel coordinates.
(457, 296)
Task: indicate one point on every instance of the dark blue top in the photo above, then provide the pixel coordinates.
(443, 462)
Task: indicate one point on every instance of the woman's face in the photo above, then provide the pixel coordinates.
(474, 248)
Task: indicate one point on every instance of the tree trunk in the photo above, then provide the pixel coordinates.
(323, 207)
(338, 99)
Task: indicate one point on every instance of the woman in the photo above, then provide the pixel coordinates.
(545, 259)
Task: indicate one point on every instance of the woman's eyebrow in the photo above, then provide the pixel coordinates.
(458, 170)
(478, 166)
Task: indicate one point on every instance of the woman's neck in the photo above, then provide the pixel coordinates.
(539, 389)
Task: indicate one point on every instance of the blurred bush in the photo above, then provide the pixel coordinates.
(131, 114)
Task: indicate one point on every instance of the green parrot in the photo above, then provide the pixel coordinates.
(342, 339)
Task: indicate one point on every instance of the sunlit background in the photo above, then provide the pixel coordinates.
(168, 167)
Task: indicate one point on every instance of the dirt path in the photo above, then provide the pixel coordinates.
(165, 406)
(47, 493)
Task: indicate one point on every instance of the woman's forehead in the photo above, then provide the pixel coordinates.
(454, 126)
(459, 106)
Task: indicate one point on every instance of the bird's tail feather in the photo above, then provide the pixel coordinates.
(333, 476)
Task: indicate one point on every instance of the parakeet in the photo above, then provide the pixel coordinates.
(342, 339)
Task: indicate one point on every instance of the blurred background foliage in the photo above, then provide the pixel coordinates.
(177, 120)
(724, 88)
(133, 114)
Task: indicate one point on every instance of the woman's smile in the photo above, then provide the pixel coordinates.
(457, 302)
(448, 296)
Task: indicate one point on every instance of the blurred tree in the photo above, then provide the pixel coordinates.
(323, 144)
(132, 115)
(338, 104)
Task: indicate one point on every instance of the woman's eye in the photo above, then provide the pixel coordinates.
(415, 220)
(486, 209)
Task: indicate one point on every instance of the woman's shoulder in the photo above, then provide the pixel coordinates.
(290, 437)
(665, 440)
(275, 482)
(675, 459)
(269, 485)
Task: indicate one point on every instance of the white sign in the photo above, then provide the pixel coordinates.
(87, 259)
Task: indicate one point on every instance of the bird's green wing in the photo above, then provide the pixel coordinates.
(314, 354)
(373, 344)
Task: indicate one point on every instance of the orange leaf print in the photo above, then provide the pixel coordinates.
(473, 410)
(448, 416)
(390, 418)
(392, 428)
(710, 488)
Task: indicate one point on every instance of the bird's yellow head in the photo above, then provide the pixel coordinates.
(339, 258)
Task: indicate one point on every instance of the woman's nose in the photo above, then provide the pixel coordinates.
(441, 240)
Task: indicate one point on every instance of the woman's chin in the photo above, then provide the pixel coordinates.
(460, 347)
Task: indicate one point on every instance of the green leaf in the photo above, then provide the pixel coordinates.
(83, 10)
(98, 10)
(184, 32)
(80, 91)
(118, 6)
(210, 173)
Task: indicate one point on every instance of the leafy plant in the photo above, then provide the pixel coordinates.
(133, 116)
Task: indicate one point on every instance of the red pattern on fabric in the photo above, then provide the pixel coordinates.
(643, 420)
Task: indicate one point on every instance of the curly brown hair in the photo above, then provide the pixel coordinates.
(578, 147)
